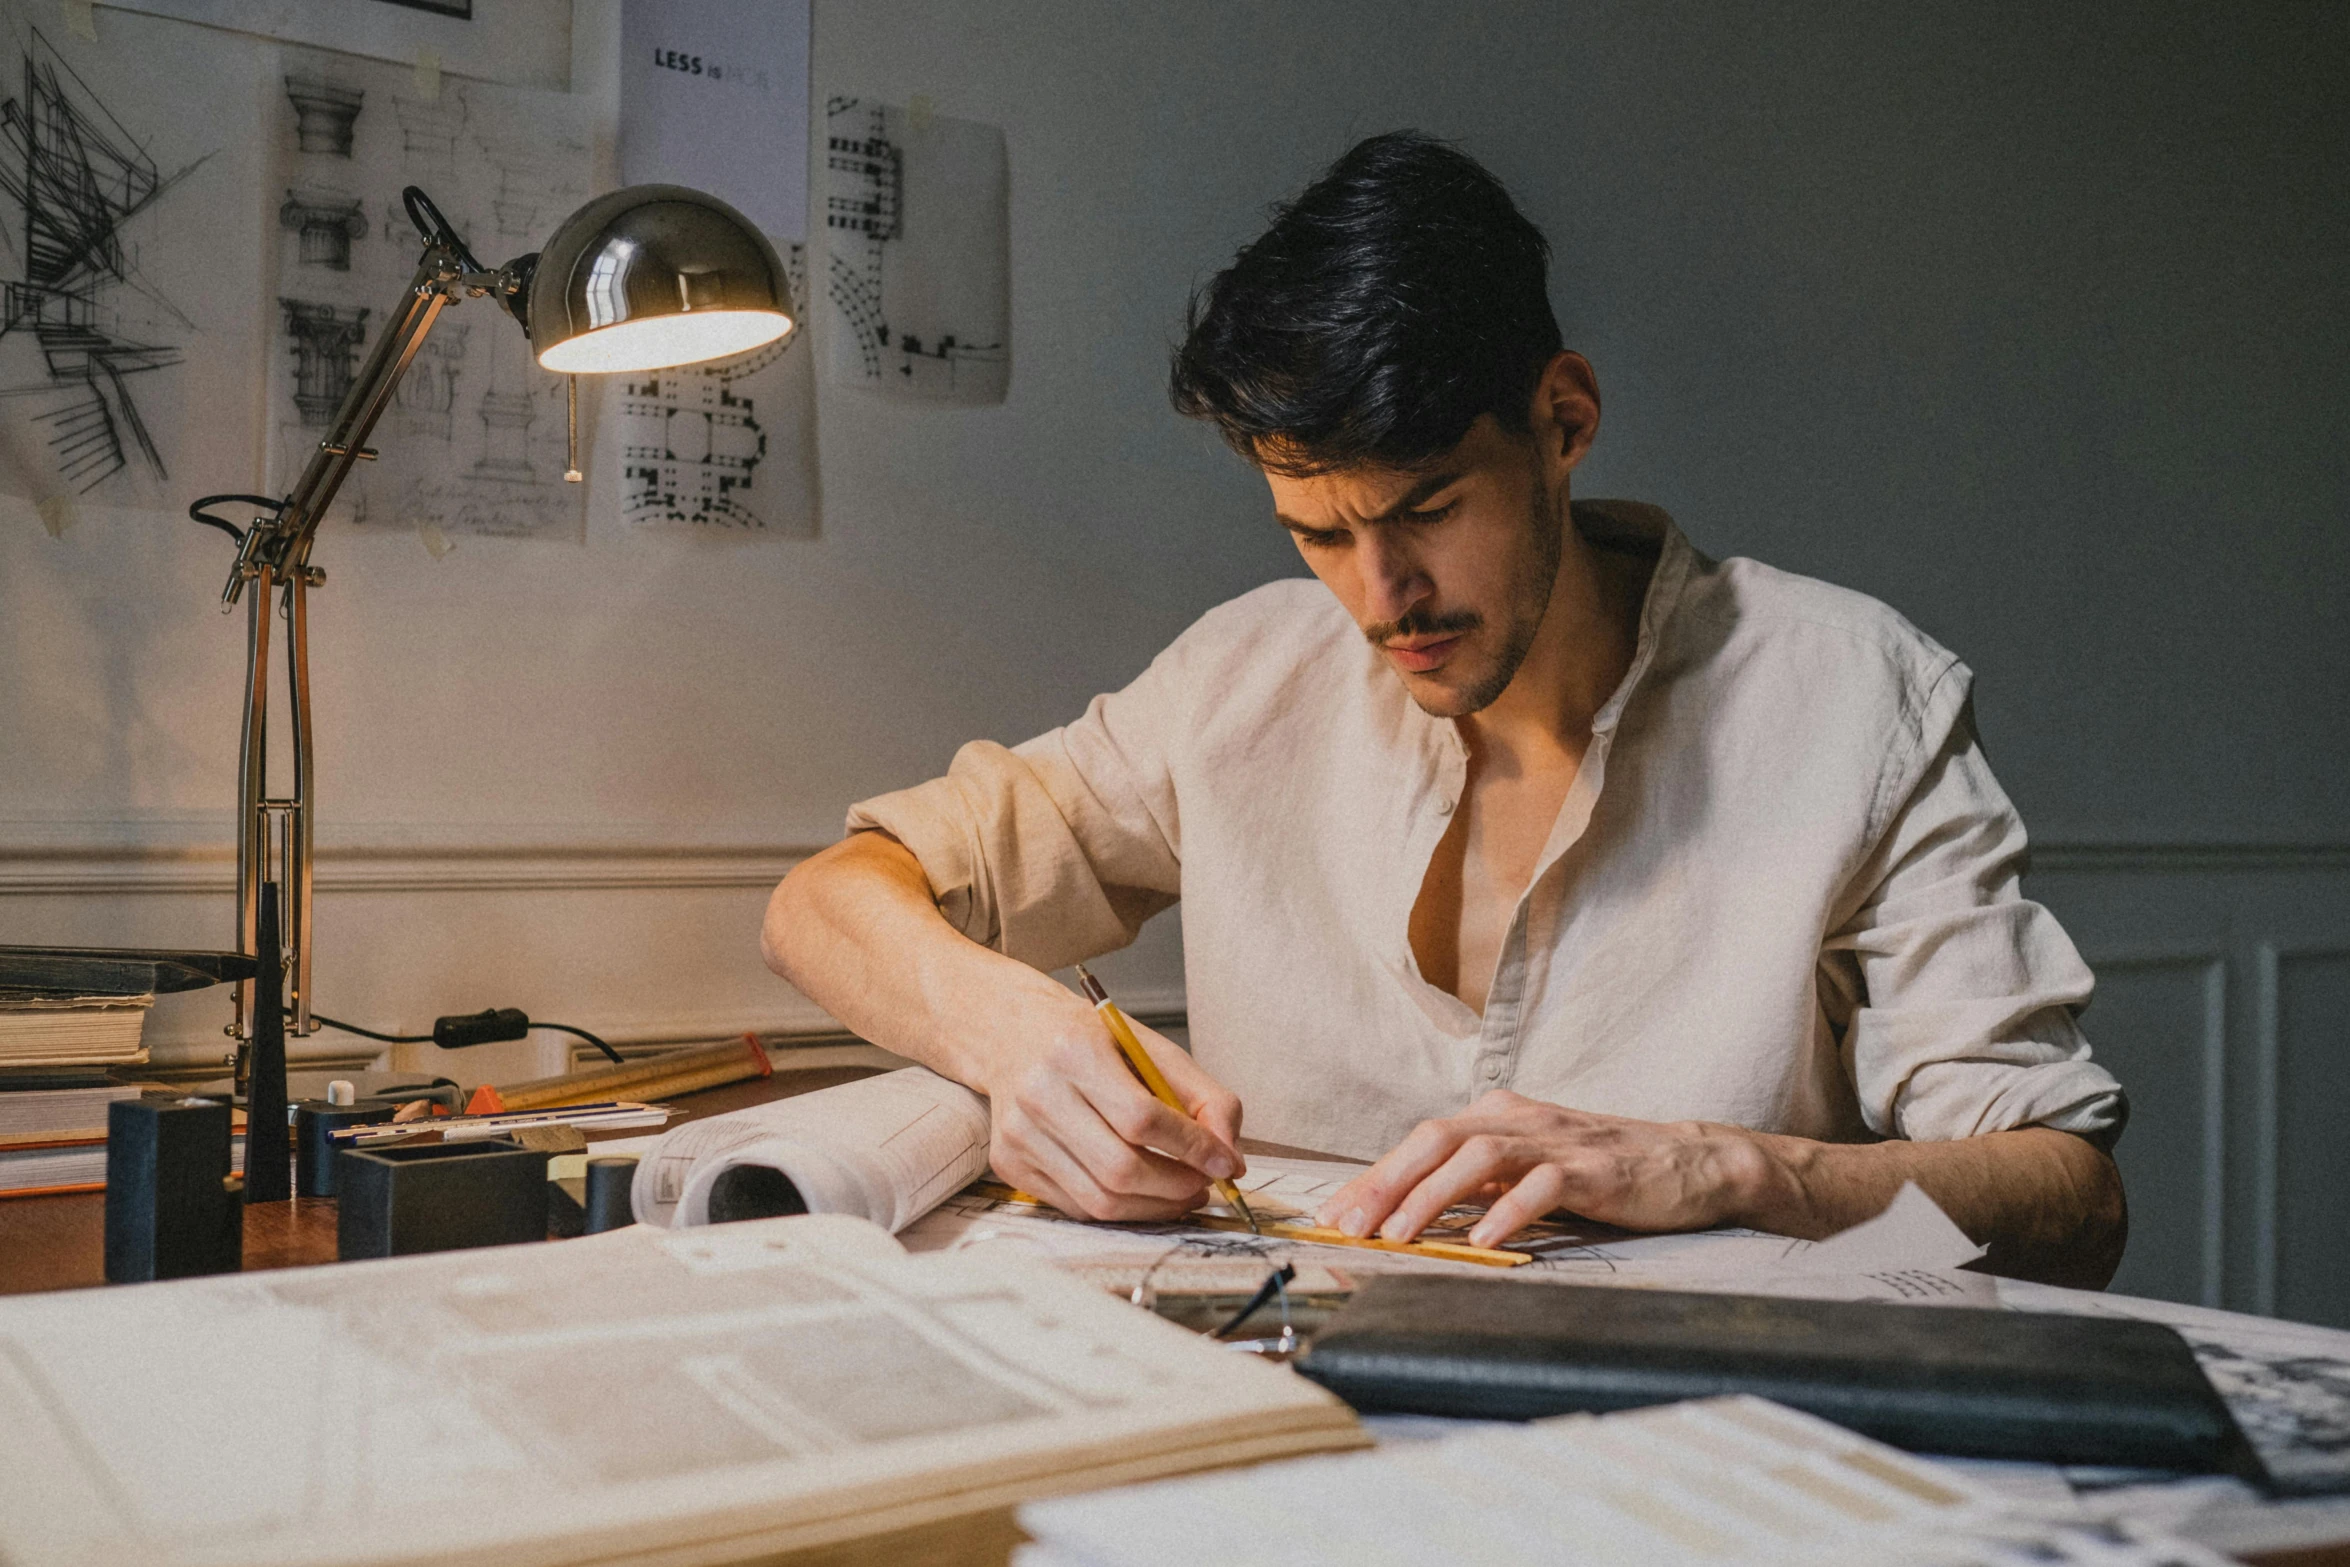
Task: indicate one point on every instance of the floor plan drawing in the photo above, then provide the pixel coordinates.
(917, 272)
(729, 447)
(475, 441)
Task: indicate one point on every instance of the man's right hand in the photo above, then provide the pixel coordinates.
(857, 929)
(1073, 1124)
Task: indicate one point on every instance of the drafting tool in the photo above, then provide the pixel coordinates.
(612, 1113)
(1303, 1234)
(1324, 1235)
(1152, 1079)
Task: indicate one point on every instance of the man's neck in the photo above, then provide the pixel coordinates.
(1578, 658)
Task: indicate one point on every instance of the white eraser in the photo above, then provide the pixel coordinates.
(340, 1092)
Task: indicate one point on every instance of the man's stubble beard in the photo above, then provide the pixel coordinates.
(1546, 535)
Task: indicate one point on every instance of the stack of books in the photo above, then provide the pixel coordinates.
(63, 1060)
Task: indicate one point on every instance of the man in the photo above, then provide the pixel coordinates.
(1531, 852)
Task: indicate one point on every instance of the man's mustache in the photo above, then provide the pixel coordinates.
(1423, 623)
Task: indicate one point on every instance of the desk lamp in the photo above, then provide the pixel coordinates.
(643, 278)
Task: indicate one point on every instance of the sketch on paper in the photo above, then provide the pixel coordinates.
(918, 266)
(77, 176)
(475, 440)
(728, 447)
(121, 278)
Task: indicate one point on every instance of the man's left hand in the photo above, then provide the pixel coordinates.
(1526, 1158)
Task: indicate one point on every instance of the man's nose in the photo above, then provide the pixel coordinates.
(1393, 578)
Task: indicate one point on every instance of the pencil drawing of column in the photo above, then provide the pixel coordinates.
(327, 222)
(325, 114)
(326, 341)
(427, 397)
(429, 131)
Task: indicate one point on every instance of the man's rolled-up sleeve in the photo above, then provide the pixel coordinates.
(1960, 994)
(1058, 849)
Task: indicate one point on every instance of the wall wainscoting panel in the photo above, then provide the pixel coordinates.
(2308, 1054)
(2223, 1004)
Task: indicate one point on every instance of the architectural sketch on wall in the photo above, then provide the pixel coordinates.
(109, 198)
(917, 234)
(728, 447)
(475, 440)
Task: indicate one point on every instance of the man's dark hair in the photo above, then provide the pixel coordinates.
(1400, 296)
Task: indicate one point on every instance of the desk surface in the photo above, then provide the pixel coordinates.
(52, 1243)
(59, 1242)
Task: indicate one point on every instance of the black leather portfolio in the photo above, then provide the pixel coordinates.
(1936, 1379)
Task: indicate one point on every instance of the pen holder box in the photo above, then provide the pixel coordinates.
(315, 1150)
(439, 1197)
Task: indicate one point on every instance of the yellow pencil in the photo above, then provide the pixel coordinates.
(1152, 1079)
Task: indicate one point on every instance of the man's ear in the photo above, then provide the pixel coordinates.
(1565, 411)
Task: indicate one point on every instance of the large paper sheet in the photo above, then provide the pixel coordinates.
(1911, 1255)
(716, 97)
(1731, 1480)
(474, 442)
(526, 43)
(131, 339)
(918, 271)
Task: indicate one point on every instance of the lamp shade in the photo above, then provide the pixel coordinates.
(653, 276)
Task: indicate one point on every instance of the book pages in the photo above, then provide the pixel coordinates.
(888, 1149)
(713, 1395)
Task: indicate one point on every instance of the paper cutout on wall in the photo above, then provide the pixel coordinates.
(727, 447)
(917, 231)
(128, 313)
(475, 441)
(523, 43)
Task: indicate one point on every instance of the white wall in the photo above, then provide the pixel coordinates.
(2028, 320)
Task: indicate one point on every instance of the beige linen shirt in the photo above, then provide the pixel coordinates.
(1782, 891)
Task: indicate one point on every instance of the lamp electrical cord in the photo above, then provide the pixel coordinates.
(426, 1039)
(197, 513)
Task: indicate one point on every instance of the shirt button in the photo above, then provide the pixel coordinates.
(1492, 1070)
(1444, 807)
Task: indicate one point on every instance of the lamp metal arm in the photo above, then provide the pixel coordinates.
(280, 545)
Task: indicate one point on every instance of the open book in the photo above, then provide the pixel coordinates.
(790, 1390)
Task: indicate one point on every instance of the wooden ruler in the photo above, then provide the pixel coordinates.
(1305, 1234)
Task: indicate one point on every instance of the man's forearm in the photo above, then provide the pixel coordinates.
(857, 930)
(2048, 1204)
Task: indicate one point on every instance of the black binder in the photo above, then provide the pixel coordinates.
(1936, 1379)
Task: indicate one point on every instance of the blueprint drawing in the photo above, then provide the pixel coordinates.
(917, 272)
(724, 448)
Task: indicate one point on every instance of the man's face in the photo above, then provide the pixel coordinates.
(1447, 568)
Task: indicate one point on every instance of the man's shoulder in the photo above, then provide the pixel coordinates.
(1802, 626)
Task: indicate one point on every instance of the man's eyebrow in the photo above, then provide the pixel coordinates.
(1411, 500)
